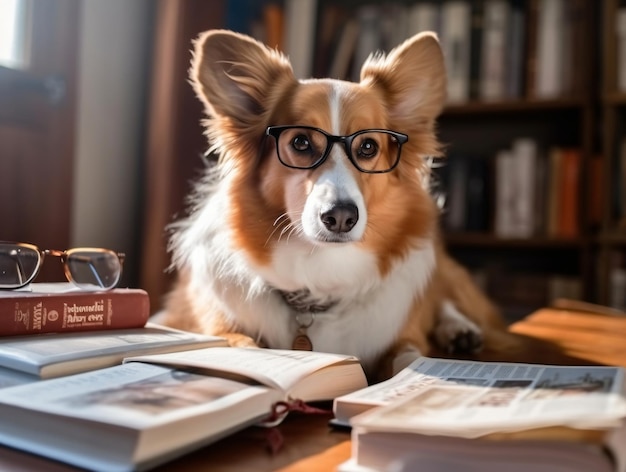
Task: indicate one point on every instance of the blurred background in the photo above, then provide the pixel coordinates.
(100, 136)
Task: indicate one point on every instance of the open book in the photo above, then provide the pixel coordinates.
(537, 416)
(146, 411)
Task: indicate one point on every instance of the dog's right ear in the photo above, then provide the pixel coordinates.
(238, 78)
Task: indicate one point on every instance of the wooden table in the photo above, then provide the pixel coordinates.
(548, 336)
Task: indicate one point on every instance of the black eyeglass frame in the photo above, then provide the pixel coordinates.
(64, 255)
(400, 138)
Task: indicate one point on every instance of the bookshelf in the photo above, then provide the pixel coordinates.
(521, 271)
(548, 97)
(611, 270)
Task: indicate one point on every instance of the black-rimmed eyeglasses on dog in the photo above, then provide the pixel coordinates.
(88, 268)
(373, 151)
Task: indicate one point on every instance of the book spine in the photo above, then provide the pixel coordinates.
(79, 312)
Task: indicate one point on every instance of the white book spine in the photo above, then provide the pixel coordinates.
(506, 194)
(423, 17)
(550, 49)
(525, 154)
(455, 39)
(494, 52)
(300, 35)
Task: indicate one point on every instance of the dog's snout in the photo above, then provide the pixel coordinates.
(340, 218)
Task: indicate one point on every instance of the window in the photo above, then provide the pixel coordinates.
(14, 29)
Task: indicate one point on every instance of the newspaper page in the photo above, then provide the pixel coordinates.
(469, 399)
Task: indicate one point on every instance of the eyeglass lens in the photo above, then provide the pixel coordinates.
(369, 151)
(18, 264)
(93, 268)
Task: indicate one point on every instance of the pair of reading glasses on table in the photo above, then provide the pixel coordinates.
(88, 268)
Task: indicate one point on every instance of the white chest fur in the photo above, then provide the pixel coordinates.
(369, 311)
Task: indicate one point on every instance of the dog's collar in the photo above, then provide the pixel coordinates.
(305, 307)
(301, 301)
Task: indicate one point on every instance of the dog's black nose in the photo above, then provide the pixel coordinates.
(341, 218)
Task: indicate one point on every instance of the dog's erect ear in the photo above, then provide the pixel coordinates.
(237, 77)
(412, 76)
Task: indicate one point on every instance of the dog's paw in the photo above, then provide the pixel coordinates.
(240, 340)
(455, 333)
(404, 359)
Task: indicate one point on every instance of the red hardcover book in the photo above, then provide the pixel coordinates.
(568, 223)
(53, 308)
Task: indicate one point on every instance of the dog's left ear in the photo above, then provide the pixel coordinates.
(413, 78)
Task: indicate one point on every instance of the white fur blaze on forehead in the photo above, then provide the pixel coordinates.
(335, 109)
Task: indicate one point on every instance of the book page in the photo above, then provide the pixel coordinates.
(132, 395)
(468, 398)
(277, 368)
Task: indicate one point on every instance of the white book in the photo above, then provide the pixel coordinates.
(494, 49)
(506, 194)
(525, 154)
(424, 16)
(551, 52)
(300, 35)
(54, 355)
(455, 42)
(145, 412)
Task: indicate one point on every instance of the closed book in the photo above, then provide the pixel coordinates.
(551, 49)
(424, 16)
(476, 38)
(505, 194)
(455, 41)
(525, 152)
(63, 308)
(620, 31)
(299, 35)
(58, 355)
(569, 192)
(494, 49)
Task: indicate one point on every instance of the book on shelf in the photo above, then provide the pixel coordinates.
(299, 35)
(494, 49)
(455, 43)
(541, 417)
(620, 34)
(424, 16)
(54, 355)
(563, 192)
(516, 41)
(152, 409)
(62, 307)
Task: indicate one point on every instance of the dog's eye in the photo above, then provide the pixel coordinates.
(301, 143)
(367, 149)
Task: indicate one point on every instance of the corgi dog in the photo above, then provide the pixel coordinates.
(316, 227)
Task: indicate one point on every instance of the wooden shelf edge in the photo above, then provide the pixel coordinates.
(491, 240)
(516, 105)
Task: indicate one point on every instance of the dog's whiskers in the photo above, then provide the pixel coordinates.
(286, 225)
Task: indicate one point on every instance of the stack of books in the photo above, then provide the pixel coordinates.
(86, 379)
